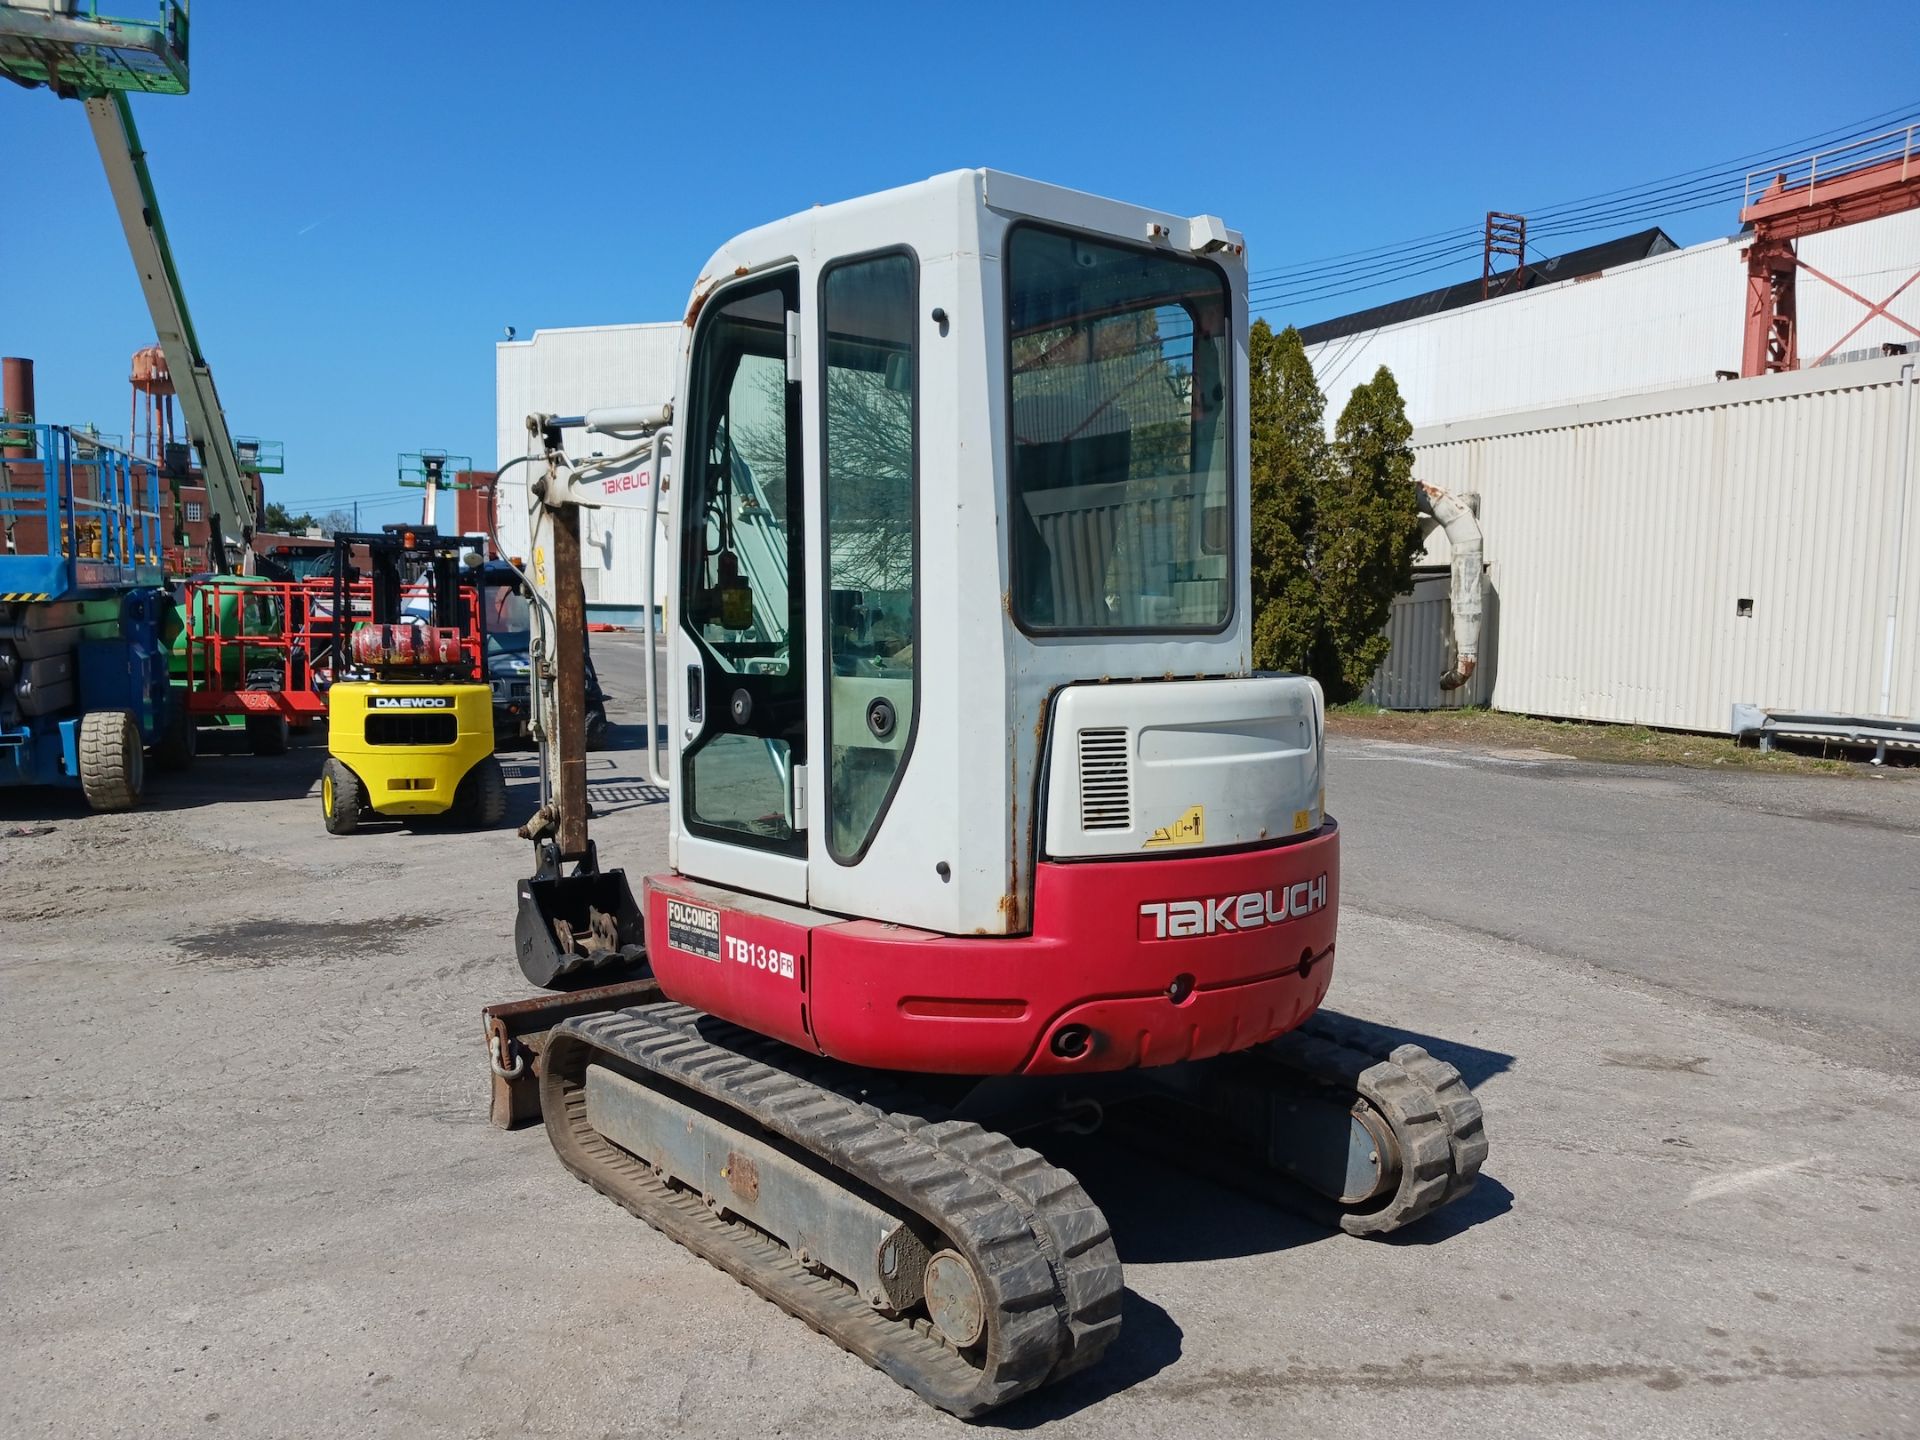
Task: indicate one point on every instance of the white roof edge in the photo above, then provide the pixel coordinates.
(582, 329)
(1852, 375)
(1480, 306)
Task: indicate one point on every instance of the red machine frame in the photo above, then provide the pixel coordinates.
(303, 643)
(1094, 987)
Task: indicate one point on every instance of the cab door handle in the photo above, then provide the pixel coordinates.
(696, 699)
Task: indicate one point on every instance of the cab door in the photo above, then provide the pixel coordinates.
(742, 673)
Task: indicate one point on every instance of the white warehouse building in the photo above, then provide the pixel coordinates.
(1661, 546)
(1675, 317)
(566, 372)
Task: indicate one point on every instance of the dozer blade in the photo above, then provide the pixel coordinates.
(967, 1268)
(578, 929)
(516, 1034)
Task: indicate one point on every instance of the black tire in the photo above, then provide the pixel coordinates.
(112, 761)
(342, 797)
(482, 798)
(267, 734)
(180, 741)
(597, 728)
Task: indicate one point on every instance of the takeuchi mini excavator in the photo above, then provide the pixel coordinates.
(982, 821)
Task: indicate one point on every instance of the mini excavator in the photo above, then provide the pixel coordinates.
(980, 817)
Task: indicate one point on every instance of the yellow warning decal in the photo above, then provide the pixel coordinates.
(1302, 820)
(1189, 829)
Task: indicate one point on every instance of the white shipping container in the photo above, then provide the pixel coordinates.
(1658, 558)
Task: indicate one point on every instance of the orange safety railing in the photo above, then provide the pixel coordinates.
(286, 645)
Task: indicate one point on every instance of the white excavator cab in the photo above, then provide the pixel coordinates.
(948, 457)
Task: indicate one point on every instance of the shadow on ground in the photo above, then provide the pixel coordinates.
(1148, 1343)
(226, 769)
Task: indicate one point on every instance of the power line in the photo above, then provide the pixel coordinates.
(364, 496)
(1740, 165)
(1680, 193)
(1794, 150)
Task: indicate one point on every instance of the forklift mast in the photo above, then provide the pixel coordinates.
(409, 563)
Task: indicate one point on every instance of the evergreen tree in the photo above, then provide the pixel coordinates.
(1336, 527)
(1366, 534)
(1289, 458)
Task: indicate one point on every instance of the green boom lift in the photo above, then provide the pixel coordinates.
(97, 60)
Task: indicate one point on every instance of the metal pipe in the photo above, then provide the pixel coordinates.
(614, 419)
(541, 615)
(16, 385)
(1899, 546)
(1464, 539)
(660, 449)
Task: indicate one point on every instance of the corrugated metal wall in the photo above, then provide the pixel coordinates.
(567, 372)
(1420, 629)
(1658, 558)
(1674, 319)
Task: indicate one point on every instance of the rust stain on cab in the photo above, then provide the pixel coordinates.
(702, 289)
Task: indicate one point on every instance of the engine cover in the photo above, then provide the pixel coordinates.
(1183, 766)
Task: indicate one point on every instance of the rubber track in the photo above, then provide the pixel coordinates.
(1041, 1249)
(1435, 1118)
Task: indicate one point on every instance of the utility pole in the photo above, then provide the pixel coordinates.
(1506, 234)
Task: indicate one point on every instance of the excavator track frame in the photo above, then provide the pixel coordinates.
(1039, 1248)
(1223, 1122)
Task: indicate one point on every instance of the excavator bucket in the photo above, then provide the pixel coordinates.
(579, 929)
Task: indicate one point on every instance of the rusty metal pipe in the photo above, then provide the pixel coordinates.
(16, 398)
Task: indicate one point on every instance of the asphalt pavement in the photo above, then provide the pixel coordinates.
(1788, 902)
(247, 1187)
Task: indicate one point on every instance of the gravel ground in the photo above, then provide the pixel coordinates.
(248, 1188)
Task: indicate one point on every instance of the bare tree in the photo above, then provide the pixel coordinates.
(869, 474)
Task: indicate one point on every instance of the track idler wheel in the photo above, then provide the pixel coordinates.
(954, 1302)
(1424, 1126)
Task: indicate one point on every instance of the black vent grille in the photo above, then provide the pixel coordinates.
(440, 729)
(1106, 779)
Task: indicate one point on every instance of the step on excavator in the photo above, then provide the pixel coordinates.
(981, 820)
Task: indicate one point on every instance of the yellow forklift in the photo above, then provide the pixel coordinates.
(409, 709)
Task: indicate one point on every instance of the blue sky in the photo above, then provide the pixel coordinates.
(362, 194)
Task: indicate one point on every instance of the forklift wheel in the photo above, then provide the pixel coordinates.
(267, 734)
(597, 728)
(482, 799)
(341, 796)
(112, 763)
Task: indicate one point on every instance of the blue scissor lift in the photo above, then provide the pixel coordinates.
(84, 617)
